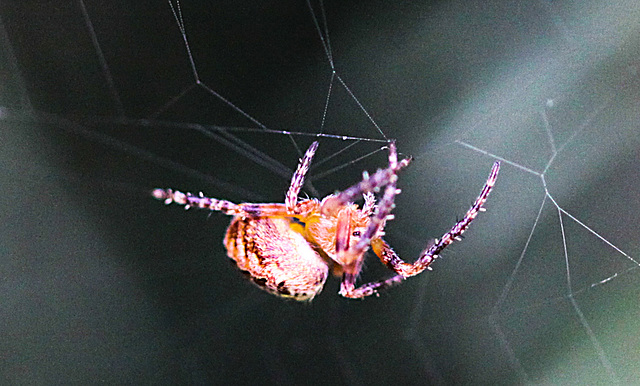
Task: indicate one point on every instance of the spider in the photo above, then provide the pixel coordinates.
(288, 248)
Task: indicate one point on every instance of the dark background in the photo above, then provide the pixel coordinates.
(100, 104)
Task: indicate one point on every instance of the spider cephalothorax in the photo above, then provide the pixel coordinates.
(288, 249)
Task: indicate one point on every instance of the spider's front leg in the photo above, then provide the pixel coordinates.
(352, 253)
(370, 236)
(369, 183)
(348, 289)
(403, 269)
(391, 259)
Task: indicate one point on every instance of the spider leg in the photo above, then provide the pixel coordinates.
(199, 201)
(291, 205)
(189, 200)
(382, 212)
(391, 259)
(297, 181)
(348, 289)
(454, 233)
(369, 183)
(403, 269)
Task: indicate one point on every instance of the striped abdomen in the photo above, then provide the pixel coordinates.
(276, 257)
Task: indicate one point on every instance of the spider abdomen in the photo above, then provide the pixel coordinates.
(276, 257)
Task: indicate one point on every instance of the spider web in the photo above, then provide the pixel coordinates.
(103, 102)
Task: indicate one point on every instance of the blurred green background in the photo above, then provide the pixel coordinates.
(99, 104)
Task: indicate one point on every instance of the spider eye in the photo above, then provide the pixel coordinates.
(356, 233)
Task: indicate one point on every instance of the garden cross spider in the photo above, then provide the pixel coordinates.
(287, 249)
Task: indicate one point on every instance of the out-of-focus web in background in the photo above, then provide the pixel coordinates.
(567, 258)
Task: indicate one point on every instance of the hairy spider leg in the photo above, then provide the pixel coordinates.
(391, 259)
(290, 207)
(348, 290)
(297, 181)
(350, 257)
(379, 218)
(385, 206)
(369, 183)
(347, 287)
(247, 209)
(403, 269)
(199, 201)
